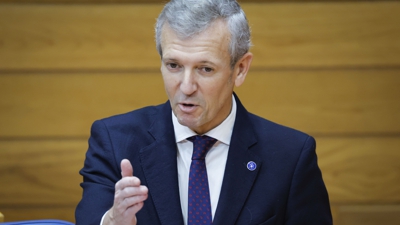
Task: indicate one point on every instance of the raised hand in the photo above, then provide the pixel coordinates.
(128, 199)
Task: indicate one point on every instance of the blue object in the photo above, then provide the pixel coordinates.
(199, 207)
(38, 222)
(251, 166)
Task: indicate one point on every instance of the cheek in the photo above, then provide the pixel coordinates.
(218, 88)
(170, 85)
(214, 95)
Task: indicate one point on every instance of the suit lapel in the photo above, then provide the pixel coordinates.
(159, 165)
(238, 179)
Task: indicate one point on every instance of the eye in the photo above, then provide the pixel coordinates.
(172, 65)
(207, 69)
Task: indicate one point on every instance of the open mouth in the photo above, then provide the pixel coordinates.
(187, 105)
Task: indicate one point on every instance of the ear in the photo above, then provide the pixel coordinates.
(242, 67)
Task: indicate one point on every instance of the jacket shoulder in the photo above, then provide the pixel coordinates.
(271, 128)
(140, 117)
(280, 136)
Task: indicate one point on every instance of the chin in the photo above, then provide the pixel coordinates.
(188, 122)
(185, 122)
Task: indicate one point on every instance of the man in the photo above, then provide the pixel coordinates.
(138, 169)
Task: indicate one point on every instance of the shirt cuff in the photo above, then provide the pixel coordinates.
(102, 218)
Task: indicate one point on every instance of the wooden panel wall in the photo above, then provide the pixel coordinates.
(328, 68)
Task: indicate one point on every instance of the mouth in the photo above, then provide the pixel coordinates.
(187, 104)
(187, 107)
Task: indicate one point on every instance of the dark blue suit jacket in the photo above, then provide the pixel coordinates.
(286, 188)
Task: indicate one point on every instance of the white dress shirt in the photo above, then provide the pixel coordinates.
(215, 158)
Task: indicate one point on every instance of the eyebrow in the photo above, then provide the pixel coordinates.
(169, 59)
(208, 62)
(201, 62)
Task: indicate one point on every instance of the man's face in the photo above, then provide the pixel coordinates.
(197, 76)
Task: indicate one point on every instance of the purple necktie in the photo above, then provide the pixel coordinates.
(199, 207)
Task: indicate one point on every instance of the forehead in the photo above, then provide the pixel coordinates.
(213, 42)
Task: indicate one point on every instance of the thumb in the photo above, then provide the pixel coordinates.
(126, 168)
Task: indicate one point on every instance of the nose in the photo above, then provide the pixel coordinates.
(188, 83)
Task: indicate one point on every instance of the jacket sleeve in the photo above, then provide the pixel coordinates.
(308, 202)
(100, 173)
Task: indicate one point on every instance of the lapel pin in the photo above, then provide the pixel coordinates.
(251, 166)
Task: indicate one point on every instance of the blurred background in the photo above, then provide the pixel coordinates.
(329, 68)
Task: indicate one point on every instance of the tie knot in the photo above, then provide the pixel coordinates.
(201, 145)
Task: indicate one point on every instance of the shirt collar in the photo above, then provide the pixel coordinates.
(222, 132)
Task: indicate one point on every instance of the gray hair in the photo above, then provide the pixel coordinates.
(190, 17)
